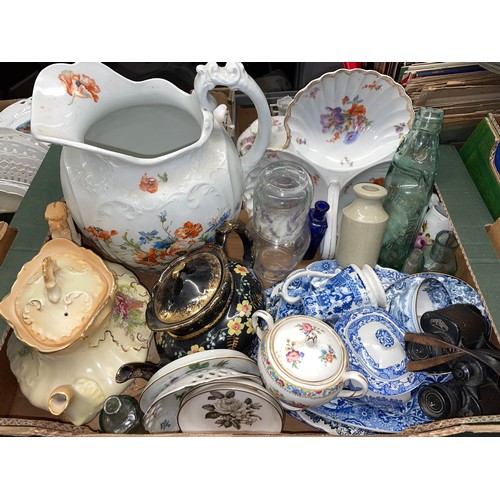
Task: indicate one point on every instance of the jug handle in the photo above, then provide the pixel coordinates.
(329, 242)
(234, 76)
(227, 227)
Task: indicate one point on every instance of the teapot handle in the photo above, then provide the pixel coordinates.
(227, 227)
(234, 76)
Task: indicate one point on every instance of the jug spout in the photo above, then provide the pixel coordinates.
(79, 402)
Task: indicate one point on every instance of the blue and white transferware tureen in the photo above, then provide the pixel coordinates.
(375, 345)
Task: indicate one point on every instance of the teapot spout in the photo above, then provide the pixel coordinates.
(60, 399)
(80, 402)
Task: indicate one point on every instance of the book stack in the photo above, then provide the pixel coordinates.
(467, 92)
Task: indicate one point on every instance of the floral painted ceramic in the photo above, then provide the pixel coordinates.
(303, 362)
(147, 170)
(230, 407)
(74, 382)
(215, 360)
(203, 300)
(348, 119)
(161, 413)
(343, 123)
(375, 344)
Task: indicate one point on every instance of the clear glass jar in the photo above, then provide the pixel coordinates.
(409, 183)
(279, 225)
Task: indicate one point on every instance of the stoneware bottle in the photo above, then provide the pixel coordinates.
(362, 227)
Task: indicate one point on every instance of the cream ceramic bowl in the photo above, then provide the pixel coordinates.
(303, 362)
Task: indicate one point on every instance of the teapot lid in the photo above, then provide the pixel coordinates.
(58, 295)
(307, 350)
(190, 292)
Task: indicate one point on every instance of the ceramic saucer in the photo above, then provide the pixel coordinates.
(229, 406)
(161, 416)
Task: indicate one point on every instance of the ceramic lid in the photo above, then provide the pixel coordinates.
(190, 290)
(306, 350)
(59, 295)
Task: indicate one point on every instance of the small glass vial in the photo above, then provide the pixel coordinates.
(414, 262)
(440, 256)
(362, 226)
(121, 415)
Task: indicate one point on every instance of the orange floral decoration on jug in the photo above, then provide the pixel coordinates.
(79, 85)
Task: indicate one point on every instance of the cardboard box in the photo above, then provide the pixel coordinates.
(481, 155)
(19, 418)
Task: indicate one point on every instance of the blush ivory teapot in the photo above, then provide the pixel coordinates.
(148, 171)
(75, 321)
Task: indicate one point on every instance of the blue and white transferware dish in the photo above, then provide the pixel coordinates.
(298, 284)
(375, 344)
(303, 362)
(343, 416)
(412, 298)
(460, 292)
(337, 293)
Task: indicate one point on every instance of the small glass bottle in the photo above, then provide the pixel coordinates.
(121, 415)
(440, 256)
(414, 262)
(362, 226)
(409, 183)
(318, 226)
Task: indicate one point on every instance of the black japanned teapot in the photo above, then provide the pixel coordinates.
(203, 300)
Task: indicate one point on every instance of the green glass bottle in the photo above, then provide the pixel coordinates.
(409, 183)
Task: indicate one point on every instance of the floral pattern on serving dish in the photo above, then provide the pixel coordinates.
(347, 121)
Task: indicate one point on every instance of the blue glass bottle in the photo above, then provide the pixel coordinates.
(317, 225)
